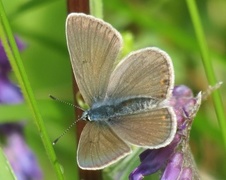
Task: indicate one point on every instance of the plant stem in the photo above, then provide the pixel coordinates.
(218, 104)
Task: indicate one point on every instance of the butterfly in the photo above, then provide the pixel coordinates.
(128, 101)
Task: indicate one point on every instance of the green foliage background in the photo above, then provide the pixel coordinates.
(164, 24)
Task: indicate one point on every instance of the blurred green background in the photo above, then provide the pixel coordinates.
(161, 23)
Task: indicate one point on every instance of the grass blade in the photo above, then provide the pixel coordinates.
(218, 104)
(17, 65)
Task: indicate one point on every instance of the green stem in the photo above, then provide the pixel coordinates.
(6, 169)
(96, 8)
(13, 55)
(218, 104)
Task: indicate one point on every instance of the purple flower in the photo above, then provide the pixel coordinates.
(5, 67)
(185, 105)
(158, 158)
(174, 160)
(20, 156)
(173, 168)
(186, 174)
(9, 93)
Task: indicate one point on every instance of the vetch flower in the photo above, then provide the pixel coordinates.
(157, 157)
(185, 106)
(181, 165)
(20, 156)
(5, 67)
(175, 160)
(9, 92)
(174, 167)
(186, 174)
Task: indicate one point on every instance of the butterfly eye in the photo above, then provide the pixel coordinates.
(88, 117)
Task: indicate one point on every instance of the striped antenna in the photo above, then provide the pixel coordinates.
(57, 139)
(70, 104)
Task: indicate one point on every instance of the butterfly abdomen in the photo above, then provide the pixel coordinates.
(117, 109)
(134, 105)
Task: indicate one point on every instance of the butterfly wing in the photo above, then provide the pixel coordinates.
(99, 146)
(143, 73)
(93, 47)
(151, 129)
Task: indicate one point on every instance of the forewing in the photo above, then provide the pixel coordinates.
(99, 146)
(147, 72)
(93, 47)
(151, 129)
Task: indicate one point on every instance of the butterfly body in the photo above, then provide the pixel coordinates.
(115, 108)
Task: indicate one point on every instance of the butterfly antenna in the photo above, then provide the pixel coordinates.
(57, 139)
(70, 104)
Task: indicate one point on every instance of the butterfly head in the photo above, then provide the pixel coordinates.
(86, 116)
